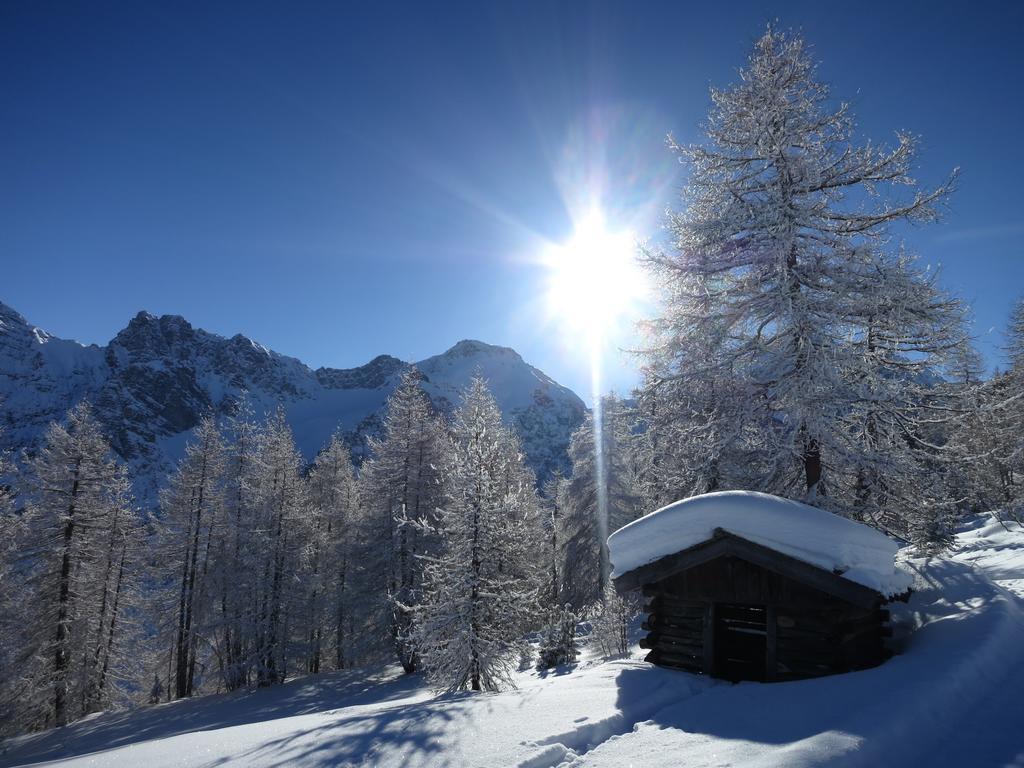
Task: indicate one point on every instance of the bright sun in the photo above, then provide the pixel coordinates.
(594, 279)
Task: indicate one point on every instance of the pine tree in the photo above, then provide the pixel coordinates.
(400, 489)
(809, 341)
(480, 591)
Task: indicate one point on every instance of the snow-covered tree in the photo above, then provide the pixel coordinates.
(400, 487)
(609, 632)
(809, 341)
(10, 525)
(192, 507)
(281, 505)
(10, 537)
(558, 640)
(989, 435)
(553, 505)
(602, 496)
(75, 550)
(236, 573)
(480, 592)
(119, 594)
(327, 558)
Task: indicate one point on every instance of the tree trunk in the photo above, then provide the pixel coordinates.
(60, 656)
(812, 465)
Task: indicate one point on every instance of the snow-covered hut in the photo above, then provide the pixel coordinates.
(748, 586)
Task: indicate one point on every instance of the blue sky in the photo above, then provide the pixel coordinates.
(340, 180)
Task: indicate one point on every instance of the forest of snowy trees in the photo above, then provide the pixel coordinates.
(797, 350)
(439, 553)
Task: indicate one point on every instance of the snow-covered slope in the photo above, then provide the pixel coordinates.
(152, 383)
(951, 697)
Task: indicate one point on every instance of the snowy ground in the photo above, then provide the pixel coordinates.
(953, 697)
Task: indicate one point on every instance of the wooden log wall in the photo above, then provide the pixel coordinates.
(675, 633)
(809, 633)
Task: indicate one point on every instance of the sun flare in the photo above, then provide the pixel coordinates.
(594, 279)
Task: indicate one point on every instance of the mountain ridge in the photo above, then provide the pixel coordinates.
(156, 378)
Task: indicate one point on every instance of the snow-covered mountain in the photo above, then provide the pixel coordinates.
(153, 382)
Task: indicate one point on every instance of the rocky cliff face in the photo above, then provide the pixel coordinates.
(154, 381)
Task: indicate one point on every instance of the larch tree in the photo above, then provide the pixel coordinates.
(553, 504)
(480, 591)
(74, 549)
(400, 488)
(327, 558)
(783, 300)
(11, 524)
(236, 582)
(192, 512)
(119, 594)
(1009, 421)
(990, 434)
(280, 507)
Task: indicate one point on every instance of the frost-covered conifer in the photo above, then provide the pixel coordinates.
(992, 478)
(609, 632)
(558, 641)
(808, 341)
(10, 536)
(76, 552)
(236, 574)
(327, 558)
(480, 592)
(192, 508)
(401, 487)
(553, 505)
(10, 525)
(280, 506)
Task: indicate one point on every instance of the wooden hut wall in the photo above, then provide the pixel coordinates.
(808, 631)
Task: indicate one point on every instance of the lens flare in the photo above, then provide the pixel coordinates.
(595, 286)
(593, 279)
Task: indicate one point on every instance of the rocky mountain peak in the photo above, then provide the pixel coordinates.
(157, 378)
(374, 374)
(474, 348)
(152, 336)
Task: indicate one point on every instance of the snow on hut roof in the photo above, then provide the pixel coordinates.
(857, 552)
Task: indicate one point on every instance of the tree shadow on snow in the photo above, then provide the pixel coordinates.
(110, 730)
(404, 734)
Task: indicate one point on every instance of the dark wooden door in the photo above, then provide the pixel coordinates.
(741, 641)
